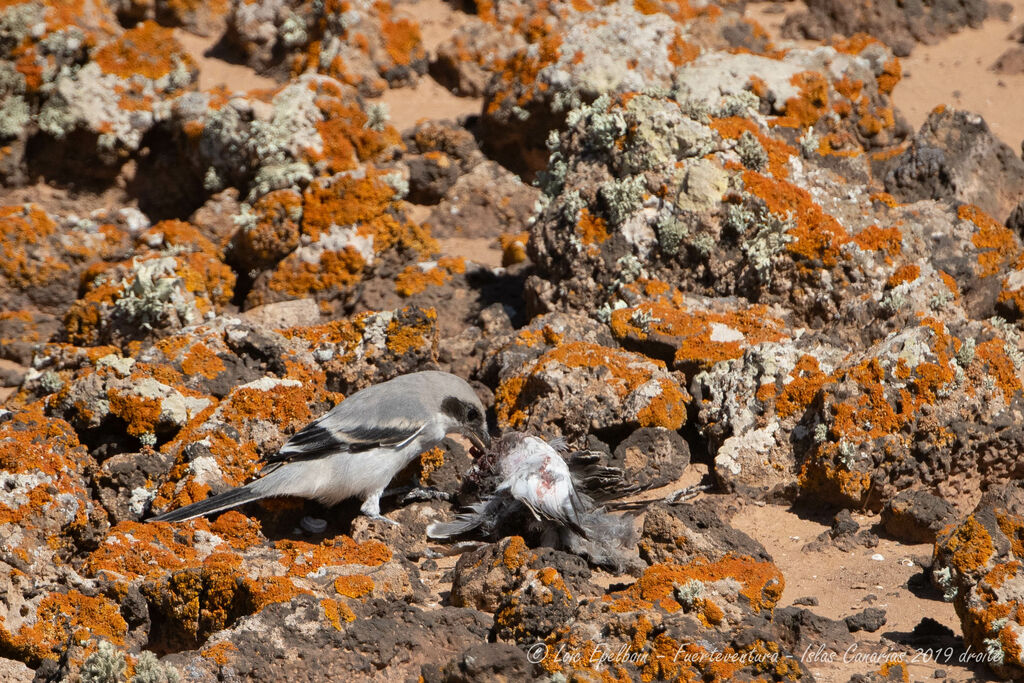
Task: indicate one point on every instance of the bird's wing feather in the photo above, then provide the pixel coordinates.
(322, 438)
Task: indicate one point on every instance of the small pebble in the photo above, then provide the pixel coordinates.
(878, 557)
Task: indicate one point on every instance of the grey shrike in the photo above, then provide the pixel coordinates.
(527, 488)
(357, 447)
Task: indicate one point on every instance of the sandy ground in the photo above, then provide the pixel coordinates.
(955, 72)
(848, 582)
(215, 72)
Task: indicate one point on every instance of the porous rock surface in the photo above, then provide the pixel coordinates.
(735, 254)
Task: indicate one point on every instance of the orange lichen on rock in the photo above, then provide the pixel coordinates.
(412, 329)
(701, 338)
(200, 360)
(999, 367)
(32, 443)
(401, 37)
(513, 248)
(23, 231)
(367, 208)
(880, 397)
(797, 394)
(148, 50)
(60, 617)
(140, 413)
(354, 585)
(522, 69)
(219, 653)
(905, 273)
(286, 404)
(347, 137)
(430, 461)
(175, 233)
(623, 371)
(817, 235)
(998, 246)
(682, 52)
(778, 151)
(892, 72)
(874, 238)
(968, 547)
(145, 550)
(336, 611)
(415, 278)
(274, 232)
(301, 558)
(592, 230)
(762, 583)
(804, 109)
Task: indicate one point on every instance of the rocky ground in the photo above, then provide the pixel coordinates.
(719, 243)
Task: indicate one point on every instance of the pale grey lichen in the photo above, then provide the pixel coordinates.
(750, 151)
(148, 669)
(154, 293)
(377, 116)
(659, 135)
(14, 116)
(245, 219)
(18, 22)
(689, 593)
(671, 232)
(820, 432)
(742, 103)
(397, 182)
(66, 45)
(848, 454)
(12, 82)
(105, 665)
(55, 118)
(809, 143)
(763, 234)
(965, 355)
(280, 176)
(51, 382)
(629, 268)
(1011, 342)
(572, 204)
(643, 319)
(994, 653)
(622, 197)
(704, 244)
(292, 31)
(944, 579)
(601, 128)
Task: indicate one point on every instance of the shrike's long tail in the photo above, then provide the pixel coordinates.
(222, 501)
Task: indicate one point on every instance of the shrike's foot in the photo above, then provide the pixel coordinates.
(313, 525)
(418, 493)
(381, 518)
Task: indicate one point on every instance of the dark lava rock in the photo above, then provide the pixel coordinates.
(898, 24)
(916, 516)
(870, 620)
(498, 662)
(954, 156)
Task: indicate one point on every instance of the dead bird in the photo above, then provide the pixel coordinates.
(526, 488)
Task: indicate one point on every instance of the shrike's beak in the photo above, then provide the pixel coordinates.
(480, 439)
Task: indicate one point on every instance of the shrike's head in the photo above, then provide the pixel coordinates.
(461, 409)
